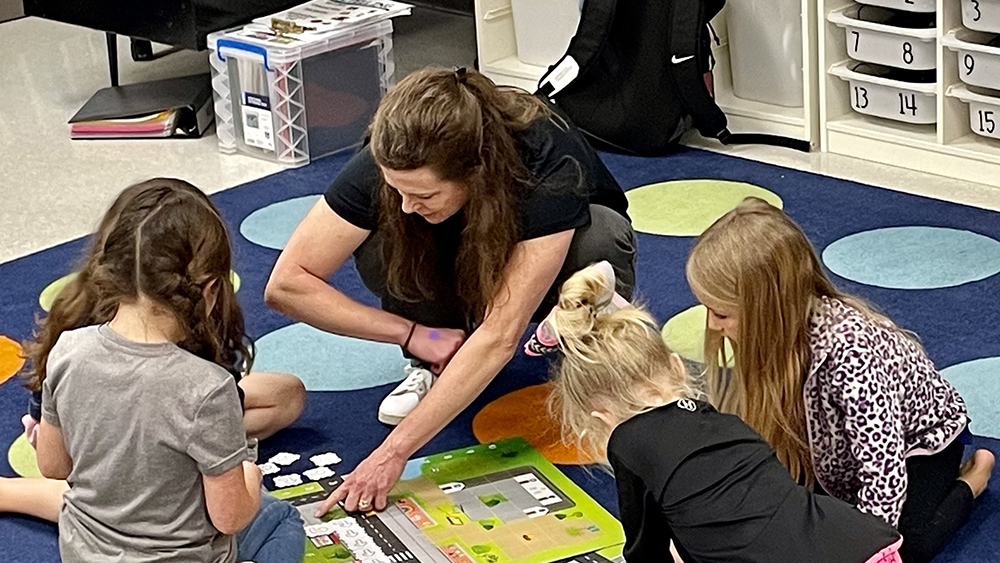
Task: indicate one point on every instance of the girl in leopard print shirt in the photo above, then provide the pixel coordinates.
(850, 402)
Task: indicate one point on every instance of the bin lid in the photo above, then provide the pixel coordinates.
(314, 38)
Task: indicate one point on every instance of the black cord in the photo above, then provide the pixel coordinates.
(406, 344)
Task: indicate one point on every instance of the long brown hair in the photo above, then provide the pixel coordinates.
(464, 127)
(757, 261)
(611, 361)
(163, 239)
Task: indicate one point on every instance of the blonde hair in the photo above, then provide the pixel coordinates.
(757, 261)
(612, 361)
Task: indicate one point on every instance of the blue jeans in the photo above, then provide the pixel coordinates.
(275, 535)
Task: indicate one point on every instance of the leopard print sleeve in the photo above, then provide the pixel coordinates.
(873, 424)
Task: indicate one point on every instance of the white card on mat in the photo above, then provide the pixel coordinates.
(282, 481)
(329, 458)
(268, 468)
(284, 458)
(318, 473)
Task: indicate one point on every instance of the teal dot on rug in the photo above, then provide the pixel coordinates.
(978, 382)
(685, 208)
(914, 257)
(272, 226)
(328, 362)
(684, 333)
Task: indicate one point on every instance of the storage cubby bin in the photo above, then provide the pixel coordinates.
(984, 109)
(978, 62)
(981, 15)
(870, 41)
(871, 93)
(936, 137)
(292, 102)
(922, 6)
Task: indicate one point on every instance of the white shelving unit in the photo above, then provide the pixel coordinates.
(497, 47)
(748, 116)
(947, 148)
(497, 51)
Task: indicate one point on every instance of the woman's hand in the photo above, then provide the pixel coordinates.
(435, 346)
(367, 487)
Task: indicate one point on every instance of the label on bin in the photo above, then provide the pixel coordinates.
(258, 130)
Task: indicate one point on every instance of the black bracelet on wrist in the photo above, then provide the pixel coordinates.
(406, 345)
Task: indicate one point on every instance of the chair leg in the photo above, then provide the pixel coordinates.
(113, 56)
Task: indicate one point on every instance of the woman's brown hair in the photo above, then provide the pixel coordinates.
(464, 127)
(165, 240)
(757, 261)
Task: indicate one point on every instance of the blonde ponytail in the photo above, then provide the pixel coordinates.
(613, 361)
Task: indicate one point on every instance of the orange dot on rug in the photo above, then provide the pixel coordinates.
(524, 414)
(11, 358)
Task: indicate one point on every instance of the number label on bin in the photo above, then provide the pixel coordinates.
(860, 97)
(970, 63)
(986, 122)
(907, 52)
(907, 102)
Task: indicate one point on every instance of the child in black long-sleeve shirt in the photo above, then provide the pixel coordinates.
(686, 474)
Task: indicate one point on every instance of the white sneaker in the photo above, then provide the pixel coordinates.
(406, 396)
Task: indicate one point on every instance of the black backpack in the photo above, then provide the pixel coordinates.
(632, 78)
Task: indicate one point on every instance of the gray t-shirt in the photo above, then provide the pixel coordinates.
(142, 423)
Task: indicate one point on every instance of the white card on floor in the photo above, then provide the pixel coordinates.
(282, 481)
(318, 473)
(268, 468)
(329, 458)
(284, 458)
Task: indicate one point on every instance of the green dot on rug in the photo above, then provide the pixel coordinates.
(685, 208)
(51, 291)
(684, 333)
(21, 457)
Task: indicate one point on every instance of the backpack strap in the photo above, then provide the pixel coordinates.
(688, 51)
(685, 65)
(596, 20)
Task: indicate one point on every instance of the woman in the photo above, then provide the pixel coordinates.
(847, 399)
(468, 207)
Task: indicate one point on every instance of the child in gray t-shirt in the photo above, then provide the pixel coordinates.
(138, 414)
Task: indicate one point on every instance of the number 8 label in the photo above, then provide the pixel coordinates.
(907, 53)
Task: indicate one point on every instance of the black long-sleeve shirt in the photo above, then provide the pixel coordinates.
(704, 479)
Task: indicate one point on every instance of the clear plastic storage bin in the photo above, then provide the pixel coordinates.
(978, 63)
(910, 102)
(294, 102)
(984, 109)
(981, 15)
(899, 47)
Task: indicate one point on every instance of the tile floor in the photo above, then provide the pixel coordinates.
(53, 189)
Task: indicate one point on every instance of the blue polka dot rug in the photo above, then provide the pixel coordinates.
(930, 265)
